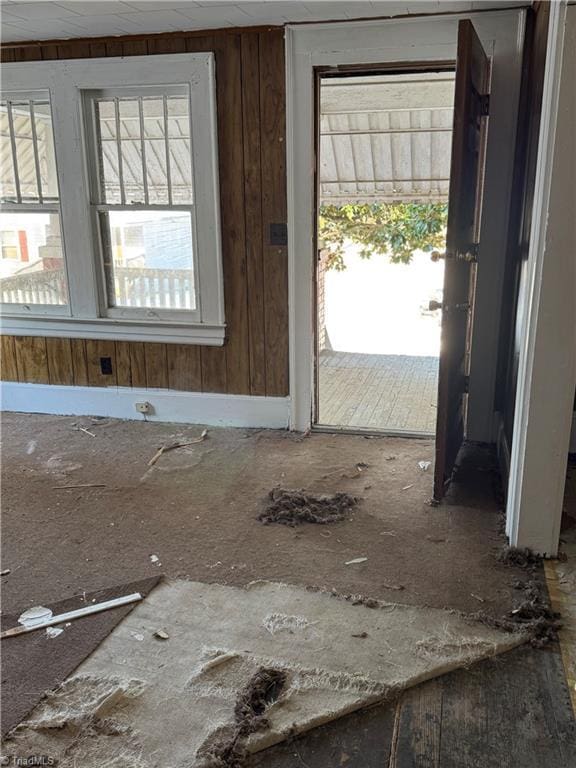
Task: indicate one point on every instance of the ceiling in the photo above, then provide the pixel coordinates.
(386, 138)
(23, 20)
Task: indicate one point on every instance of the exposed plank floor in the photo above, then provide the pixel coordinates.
(509, 712)
(388, 392)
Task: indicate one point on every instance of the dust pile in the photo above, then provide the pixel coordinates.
(533, 615)
(229, 749)
(522, 557)
(294, 507)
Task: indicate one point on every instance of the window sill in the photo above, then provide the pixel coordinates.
(116, 330)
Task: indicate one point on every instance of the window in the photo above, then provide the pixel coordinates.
(142, 196)
(32, 270)
(130, 248)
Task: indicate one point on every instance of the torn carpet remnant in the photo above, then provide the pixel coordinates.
(290, 507)
(244, 668)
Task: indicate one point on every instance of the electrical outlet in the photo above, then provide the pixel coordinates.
(144, 407)
(106, 366)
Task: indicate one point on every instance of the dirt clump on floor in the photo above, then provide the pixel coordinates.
(532, 615)
(294, 507)
(229, 748)
(521, 557)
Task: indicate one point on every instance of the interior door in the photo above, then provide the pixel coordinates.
(463, 233)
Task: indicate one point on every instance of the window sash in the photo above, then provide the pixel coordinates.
(95, 158)
(146, 313)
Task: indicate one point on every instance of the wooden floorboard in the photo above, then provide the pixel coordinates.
(386, 392)
(512, 711)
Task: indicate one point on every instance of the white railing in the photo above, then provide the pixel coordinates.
(143, 287)
(42, 287)
(133, 287)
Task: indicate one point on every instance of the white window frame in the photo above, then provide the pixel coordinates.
(86, 315)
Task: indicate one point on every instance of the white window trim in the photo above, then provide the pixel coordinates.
(66, 80)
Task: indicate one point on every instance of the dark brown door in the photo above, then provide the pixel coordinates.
(465, 200)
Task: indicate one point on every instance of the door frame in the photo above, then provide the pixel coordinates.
(547, 363)
(363, 70)
(417, 40)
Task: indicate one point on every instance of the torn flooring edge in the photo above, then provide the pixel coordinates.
(333, 656)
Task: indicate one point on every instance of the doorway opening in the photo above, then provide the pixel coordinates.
(384, 150)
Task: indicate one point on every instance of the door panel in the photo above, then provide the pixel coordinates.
(463, 234)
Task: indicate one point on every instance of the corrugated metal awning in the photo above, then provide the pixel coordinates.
(386, 138)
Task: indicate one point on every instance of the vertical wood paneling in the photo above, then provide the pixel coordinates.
(230, 149)
(134, 47)
(79, 362)
(184, 367)
(137, 364)
(253, 211)
(59, 357)
(123, 367)
(8, 367)
(31, 359)
(250, 103)
(167, 45)
(156, 362)
(214, 369)
(274, 209)
(95, 350)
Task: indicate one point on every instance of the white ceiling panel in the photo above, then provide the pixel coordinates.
(47, 19)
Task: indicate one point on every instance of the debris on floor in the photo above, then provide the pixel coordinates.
(424, 465)
(533, 615)
(359, 468)
(294, 507)
(39, 617)
(227, 686)
(249, 717)
(173, 446)
(356, 560)
(519, 557)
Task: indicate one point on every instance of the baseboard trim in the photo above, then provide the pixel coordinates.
(168, 405)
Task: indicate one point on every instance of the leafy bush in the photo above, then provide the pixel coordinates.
(396, 229)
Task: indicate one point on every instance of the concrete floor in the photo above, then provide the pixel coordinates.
(196, 510)
(378, 392)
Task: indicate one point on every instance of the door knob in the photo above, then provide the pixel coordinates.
(434, 305)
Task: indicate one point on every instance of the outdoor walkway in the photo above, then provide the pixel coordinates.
(388, 392)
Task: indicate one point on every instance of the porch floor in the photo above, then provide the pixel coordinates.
(387, 392)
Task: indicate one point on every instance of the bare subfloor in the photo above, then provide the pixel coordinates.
(196, 510)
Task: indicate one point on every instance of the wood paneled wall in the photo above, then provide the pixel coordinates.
(251, 141)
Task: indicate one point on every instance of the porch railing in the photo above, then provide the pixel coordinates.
(133, 287)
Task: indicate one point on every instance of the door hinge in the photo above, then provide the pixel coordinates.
(466, 384)
(484, 104)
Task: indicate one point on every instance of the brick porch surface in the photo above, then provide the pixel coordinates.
(388, 392)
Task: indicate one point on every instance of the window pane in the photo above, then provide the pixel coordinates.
(155, 147)
(149, 259)
(30, 123)
(131, 149)
(145, 161)
(31, 260)
(108, 151)
(46, 156)
(7, 183)
(180, 156)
